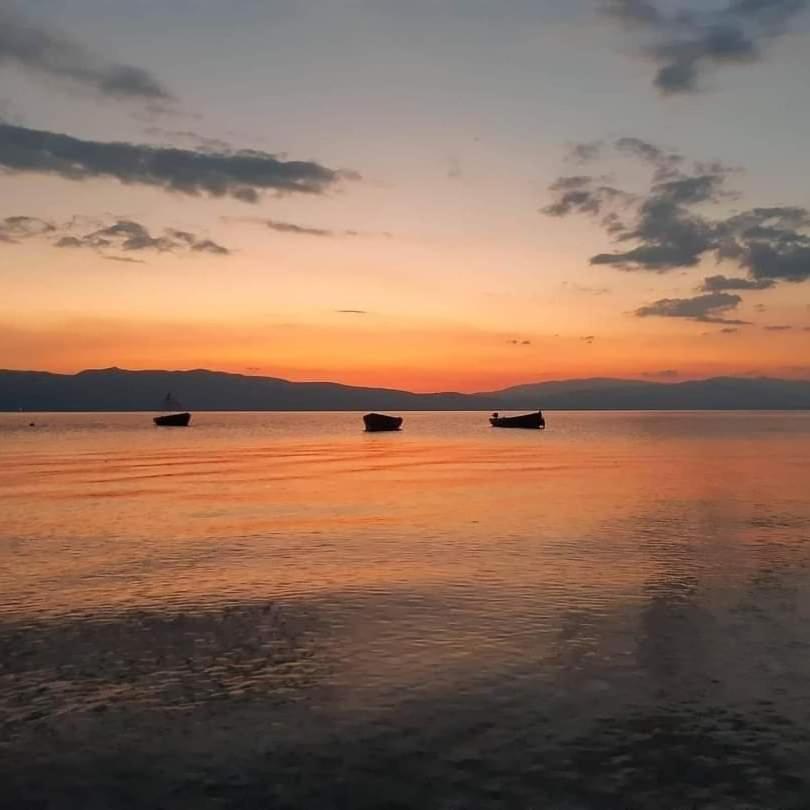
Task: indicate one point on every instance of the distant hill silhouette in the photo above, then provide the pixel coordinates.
(115, 389)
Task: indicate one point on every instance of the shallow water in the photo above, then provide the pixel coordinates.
(278, 610)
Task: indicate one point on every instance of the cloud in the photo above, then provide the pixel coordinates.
(126, 259)
(664, 374)
(778, 328)
(200, 142)
(16, 228)
(33, 47)
(127, 235)
(584, 152)
(684, 44)
(517, 342)
(208, 246)
(665, 162)
(667, 227)
(588, 339)
(586, 290)
(729, 330)
(709, 308)
(243, 175)
(352, 311)
(583, 194)
(723, 283)
(302, 230)
(122, 234)
(289, 227)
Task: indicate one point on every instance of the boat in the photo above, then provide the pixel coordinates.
(172, 419)
(531, 421)
(376, 422)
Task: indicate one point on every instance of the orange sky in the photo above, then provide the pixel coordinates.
(435, 268)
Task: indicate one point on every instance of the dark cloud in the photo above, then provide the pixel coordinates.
(684, 43)
(709, 308)
(516, 342)
(667, 227)
(723, 283)
(33, 47)
(352, 311)
(729, 330)
(588, 338)
(777, 328)
(242, 175)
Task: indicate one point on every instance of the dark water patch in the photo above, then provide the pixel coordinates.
(444, 753)
(164, 661)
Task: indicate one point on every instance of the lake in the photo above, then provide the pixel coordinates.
(273, 610)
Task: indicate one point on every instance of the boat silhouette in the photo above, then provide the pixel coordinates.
(530, 421)
(178, 419)
(377, 422)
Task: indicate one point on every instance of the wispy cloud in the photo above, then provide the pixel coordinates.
(710, 308)
(17, 228)
(34, 47)
(299, 230)
(352, 311)
(663, 374)
(127, 235)
(684, 44)
(242, 175)
(294, 229)
(122, 234)
(778, 328)
(125, 259)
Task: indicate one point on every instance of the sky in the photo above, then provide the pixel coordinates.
(431, 195)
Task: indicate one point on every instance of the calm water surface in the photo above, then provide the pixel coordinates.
(280, 611)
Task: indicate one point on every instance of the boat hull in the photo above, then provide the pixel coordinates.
(173, 420)
(529, 421)
(377, 422)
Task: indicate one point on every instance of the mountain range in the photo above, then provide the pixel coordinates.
(115, 389)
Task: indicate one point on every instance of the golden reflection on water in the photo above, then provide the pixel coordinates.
(121, 515)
